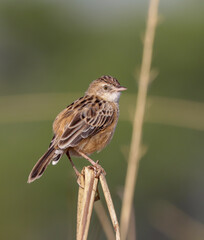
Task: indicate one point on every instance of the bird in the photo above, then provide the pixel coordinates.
(85, 126)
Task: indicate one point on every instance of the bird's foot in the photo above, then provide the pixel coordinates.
(98, 169)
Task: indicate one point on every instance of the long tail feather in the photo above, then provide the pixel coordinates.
(41, 165)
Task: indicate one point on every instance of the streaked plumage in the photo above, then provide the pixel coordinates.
(87, 125)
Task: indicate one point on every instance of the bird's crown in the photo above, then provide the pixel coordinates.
(109, 80)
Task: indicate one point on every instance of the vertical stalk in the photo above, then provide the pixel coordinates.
(138, 119)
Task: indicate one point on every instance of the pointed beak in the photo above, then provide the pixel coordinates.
(120, 89)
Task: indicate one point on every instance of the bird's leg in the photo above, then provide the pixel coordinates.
(74, 167)
(94, 164)
(86, 157)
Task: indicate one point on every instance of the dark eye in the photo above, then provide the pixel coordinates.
(105, 87)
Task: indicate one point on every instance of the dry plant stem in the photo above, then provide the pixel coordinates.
(104, 220)
(86, 196)
(132, 226)
(85, 202)
(138, 119)
(80, 202)
(110, 205)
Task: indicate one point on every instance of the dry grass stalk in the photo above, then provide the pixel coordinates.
(138, 119)
(104, 220)
(86, 197)
(110, 205)
(80, 203)
(132, 227)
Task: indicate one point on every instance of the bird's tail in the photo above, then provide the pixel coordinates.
(43, 162)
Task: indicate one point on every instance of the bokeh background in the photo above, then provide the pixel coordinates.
(49, 52)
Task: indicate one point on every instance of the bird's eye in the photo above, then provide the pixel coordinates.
(105, 87)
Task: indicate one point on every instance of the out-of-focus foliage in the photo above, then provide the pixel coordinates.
(60, 47)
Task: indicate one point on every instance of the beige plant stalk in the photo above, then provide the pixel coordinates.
(88, 183)
(138, 119)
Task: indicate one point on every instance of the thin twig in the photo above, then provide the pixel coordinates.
(110, 205)
(138, 118)
(104, 220)
(86, 196)
(80, 203)
(132, 227)
(85, 202)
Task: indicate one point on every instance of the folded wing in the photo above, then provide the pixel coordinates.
(87, 121)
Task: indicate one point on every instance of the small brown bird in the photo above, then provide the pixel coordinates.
(85, 126)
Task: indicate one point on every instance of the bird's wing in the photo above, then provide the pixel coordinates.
(90, 116)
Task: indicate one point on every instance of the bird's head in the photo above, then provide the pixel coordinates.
(106, 87)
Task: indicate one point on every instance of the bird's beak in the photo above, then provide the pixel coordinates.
(120, 89)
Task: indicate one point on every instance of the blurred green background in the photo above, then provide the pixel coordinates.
(49, 52)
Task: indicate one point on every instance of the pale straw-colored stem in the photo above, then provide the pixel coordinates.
(110, 206)
(88, 182)
(104, 220)
(86, 198)
(138, 119)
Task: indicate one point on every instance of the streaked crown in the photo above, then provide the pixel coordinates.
(109, 80)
